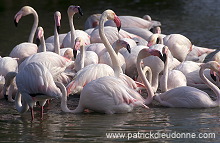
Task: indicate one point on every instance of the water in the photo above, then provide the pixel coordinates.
(197, 20)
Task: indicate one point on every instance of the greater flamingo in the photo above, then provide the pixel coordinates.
(69, 39)
(24, 50)
(35, 83)
(178, 44)
(170, 78)
(190, 97)
(84, 58)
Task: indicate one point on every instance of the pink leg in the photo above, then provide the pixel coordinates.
(32, 113)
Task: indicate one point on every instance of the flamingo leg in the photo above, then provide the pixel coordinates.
(32, 114)
(42, 112)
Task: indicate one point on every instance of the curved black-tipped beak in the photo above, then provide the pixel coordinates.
(37, 41)
(74, 53)
(164, 58)
(80, 11)
(16, 24)
(58, 29)
(119, 27)
(213, 76)
(128, 48)
(6, 97)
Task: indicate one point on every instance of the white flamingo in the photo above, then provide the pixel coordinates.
(117, 45)
(35, 83)
(190, 97)
(24, 50)
(84, 58)
(69, 39)
(178, 44)
(7, 65)
(170, 78)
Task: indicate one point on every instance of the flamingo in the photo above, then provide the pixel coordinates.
(35, 83)
(178, 44)
(92, 21)
(7, 65)
(109, 94)
(198, 54)
(190, 97)
(24, 50)
(117, 45)
(191, 70)
(84, 58)
(69, 39)
(170, 78)
(133, 21)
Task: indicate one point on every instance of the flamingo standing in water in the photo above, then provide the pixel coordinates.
(25, 49)
(190, 97)
(35, 83)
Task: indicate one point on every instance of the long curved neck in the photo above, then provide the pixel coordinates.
(21, 107)
(34, 27)
(149, 89)
(82, 56)
(64, 107)
(43, 45)
(56, 40)
(213, 87)
(164, 78)
(72, 30)
(155, 77)
(148, 73)
(116, 67)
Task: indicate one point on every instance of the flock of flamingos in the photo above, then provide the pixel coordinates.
(116, 64)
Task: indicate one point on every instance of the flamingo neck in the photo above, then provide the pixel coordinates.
(64, 107)
(149, 89)
(213, 87)
(43, 44)
(82, 56)
(72, 31)
(21, 107)
(115, 63)
(56, 40)
(148, 73)
(155, 77)
(34, 27)
(164, 77)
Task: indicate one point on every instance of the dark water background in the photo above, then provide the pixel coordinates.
(199, 20)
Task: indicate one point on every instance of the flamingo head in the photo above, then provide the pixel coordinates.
(165, 52)
(149, 52)
(122, 44)
(57, 18)
(39, 34)
(26, 10)
(78, 43)
(214, 68)
(154, 39)
(73, 10)
(112, 16)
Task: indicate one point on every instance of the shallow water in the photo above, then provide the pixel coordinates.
(197, 20)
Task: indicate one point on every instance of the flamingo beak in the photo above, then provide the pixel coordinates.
(212, 75)
(74, 53)
(17, 18)
(164, 58)
(117, 22)
(157, 53)
(37, 41)
(57, 20)
(80, 11)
